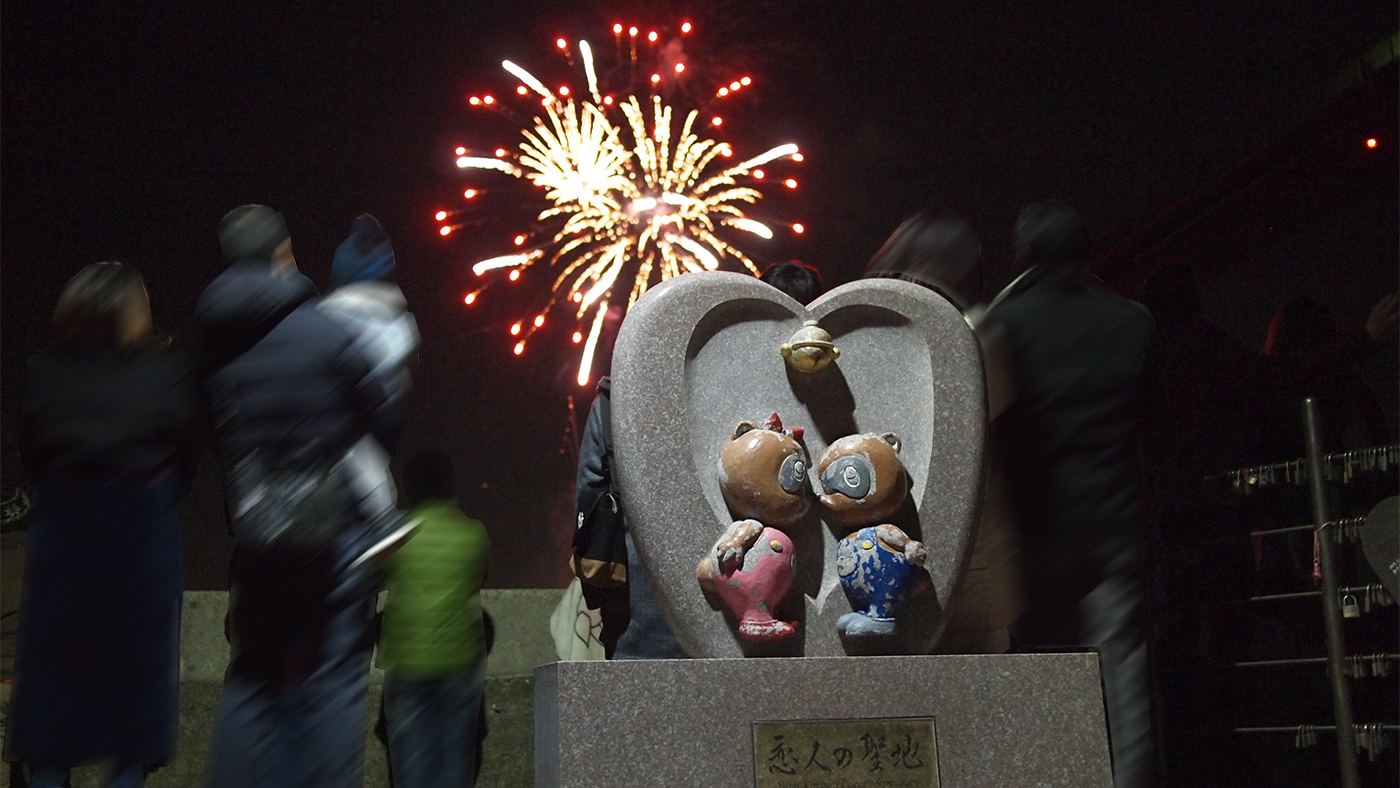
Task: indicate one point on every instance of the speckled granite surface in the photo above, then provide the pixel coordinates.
(699, 353)
(1023, 720)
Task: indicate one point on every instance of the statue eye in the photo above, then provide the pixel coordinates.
(849, 476)
(793, 475)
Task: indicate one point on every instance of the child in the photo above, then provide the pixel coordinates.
(433, 642)
(367, 302)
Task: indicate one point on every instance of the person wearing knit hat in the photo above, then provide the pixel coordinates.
(366, 256)
(278, 371)
(366, 301)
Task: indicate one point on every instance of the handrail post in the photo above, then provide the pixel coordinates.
(1336, 647)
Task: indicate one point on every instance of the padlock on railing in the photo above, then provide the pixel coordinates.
(1350, 609)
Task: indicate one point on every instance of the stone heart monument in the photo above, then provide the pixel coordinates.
(704, 352)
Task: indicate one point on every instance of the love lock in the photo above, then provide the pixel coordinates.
(1350, 609)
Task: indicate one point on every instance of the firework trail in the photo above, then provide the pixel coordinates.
(630, 199)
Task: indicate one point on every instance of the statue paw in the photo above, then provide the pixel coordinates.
(864, 625)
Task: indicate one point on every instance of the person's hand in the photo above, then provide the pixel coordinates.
(1384, 317)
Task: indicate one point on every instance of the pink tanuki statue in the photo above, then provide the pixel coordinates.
(755, 572)
(763, 477)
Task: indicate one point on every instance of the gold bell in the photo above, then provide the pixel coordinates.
(810, 348)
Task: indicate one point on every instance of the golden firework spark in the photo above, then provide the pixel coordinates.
(638, 203)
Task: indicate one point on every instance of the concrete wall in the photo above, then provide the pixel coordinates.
(522, 615)
(522, 643)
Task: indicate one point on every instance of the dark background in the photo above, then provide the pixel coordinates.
(127, 130)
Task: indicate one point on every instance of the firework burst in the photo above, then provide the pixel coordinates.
(628, 199)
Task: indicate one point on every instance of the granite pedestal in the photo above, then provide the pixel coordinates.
(1000, 720)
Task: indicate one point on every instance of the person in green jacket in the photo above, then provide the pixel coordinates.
(433, 643)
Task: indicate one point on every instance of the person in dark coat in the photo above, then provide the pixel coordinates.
(282, 379)
(633, 626)
(1306, 356)
(938, 249)
(109, 432)
(1069, 444)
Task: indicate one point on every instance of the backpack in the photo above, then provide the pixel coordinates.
(600, 531)
(296, 509)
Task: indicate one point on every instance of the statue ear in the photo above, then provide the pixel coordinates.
(892, 440)
(743, 427)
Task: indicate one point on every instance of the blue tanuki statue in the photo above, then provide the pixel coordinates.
(863, 483)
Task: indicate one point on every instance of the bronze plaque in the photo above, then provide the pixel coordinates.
(877, 753)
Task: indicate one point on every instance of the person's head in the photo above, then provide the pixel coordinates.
(105, 305)
(1299, 324)
(801, 282)
(427, 476)
(936, 249)
(366, 256)
(256, 233)
(1052, 234)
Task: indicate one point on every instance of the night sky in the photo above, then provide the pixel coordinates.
(129, 129)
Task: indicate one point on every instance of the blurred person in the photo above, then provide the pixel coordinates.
(940, 251)
(109, 432)
(1069, 444)
(1200, 391)
(1306, 356)
(381, 728)
(633, 627)
(433, 646)
(289, 396)
(365, 299)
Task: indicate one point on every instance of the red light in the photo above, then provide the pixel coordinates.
(522, 90)
(561, 43)
(717, 121)
(655, 78)
(652, 36)
(470, 299)
(758, 174)
(539, 320)
(514, 275)
(733, 85)
(790, 183)
(797, 157)
(577, 337)
(488, 100)
(631, 31)
(469, 193)
(500, 152)
(563, 90)
(607, 100)
(461, 151)
(617, 29)
(519, 239)
(745, 81)
(680, 67)
(445, 231)
(799, 229)
(473, 101)
(1371, 143)
(440, 215)
(724, 91)
(578, 297)
(519, 348)
(685, 27)
(515, 330)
